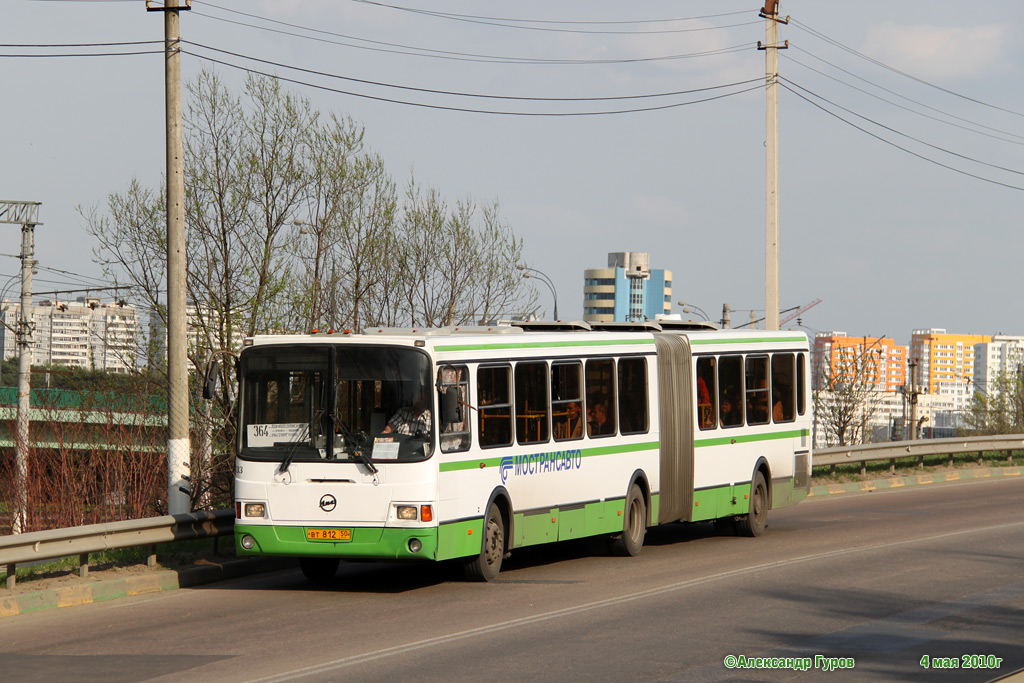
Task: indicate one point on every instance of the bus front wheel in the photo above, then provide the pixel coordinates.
(634, 526)
(753, 523)
(487, 564)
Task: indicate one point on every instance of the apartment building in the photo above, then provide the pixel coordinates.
(627, 290)
(203, 326)
(880, 360)
(1004, 354)
(85, 333)
(945, 362)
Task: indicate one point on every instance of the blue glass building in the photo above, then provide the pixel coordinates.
(627, 290)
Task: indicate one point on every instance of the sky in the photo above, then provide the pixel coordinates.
(890, 240)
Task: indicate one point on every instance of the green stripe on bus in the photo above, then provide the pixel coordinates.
(542, 345)
(747, 340)
(720, 501)
(585, 452)
(749, 438)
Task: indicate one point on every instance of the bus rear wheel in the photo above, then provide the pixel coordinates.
(634, 525)
(487, 565)
(754, 522)
(319, 569)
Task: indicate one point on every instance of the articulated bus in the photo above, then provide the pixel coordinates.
(466, 443)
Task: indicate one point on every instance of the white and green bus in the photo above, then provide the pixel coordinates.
(465, 443)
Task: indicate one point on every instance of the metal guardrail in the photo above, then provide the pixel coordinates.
(909, 449)
(94, 538)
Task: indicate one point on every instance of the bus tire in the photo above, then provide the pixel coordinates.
(754, 522)
(486, 565)
(634, 525)
(319, 569)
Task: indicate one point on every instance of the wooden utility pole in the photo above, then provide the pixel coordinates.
(771, 47)
(179, 483)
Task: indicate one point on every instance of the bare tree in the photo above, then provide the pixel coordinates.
(846, 396)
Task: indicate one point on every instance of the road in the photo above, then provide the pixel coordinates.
(876, 581)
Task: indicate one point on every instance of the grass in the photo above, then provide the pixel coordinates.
(910, 466)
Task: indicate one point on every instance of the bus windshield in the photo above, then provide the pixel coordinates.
(340, 403)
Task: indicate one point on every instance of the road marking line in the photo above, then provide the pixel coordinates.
(609, 602)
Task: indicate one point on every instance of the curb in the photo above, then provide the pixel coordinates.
(154, 582)
(916, 480)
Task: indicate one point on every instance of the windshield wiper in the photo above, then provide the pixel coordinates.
(362, 457)
(289, 457)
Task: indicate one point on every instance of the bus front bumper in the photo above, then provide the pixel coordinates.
(379, 543)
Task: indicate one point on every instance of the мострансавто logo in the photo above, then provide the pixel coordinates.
(539, 463)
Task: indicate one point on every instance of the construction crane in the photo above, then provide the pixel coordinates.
(799, 311)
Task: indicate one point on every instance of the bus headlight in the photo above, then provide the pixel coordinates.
(415, 545)
(248, 542)
(255, 510)
(407, 512)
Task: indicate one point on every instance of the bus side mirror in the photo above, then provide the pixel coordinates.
(210, 380)
(451, 409)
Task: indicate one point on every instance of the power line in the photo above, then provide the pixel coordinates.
(41, 45)
(900, 133)
(468, 94)
(463, 109)
(83, 54)
(897, 94)
(906, 108)
(453, 15)
(498, 23)
(822, 36)
(784, 84)
(451, 55)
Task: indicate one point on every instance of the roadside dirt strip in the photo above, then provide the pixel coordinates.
(128, 582)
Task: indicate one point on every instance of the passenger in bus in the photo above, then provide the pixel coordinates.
(730, 413)
(599, 424)
(572, 426)
(413, 419)
(707, 419)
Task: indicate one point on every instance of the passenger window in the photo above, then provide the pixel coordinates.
(567, 400)
(730, 391)
(532, 414)
(707, 393)
(782, 388)
(757, 390)
(600, 381)
(632, 396)
(494, 392)
(456, 436)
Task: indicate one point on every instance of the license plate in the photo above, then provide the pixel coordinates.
(329, 534)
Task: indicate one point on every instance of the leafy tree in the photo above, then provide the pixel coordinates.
(999, 408)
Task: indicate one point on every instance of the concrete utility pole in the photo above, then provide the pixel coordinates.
(913, 400)
(771, 47)
(726, 310)
(178, 450)
(26, 213)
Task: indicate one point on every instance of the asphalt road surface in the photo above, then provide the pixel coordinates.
(853, 587)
